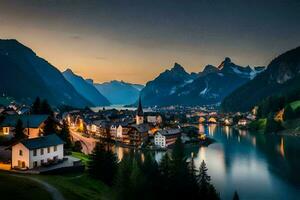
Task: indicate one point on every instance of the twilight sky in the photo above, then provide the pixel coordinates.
(136, 40)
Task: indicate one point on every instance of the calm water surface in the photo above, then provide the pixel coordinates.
(258, 166)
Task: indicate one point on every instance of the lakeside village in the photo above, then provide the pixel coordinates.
(153, 129)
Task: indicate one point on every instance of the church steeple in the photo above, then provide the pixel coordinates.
(140, 108)
(139, 114)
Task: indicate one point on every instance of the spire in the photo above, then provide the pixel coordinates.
(140, 108)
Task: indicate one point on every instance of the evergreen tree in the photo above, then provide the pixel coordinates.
(207, 190)
(19, 130)
(103, 164)
(180, 174)
(121, 183)
(192, 184)
(36, 106)
(236, 196)
(137, 182)
(46, 108)
(77, 146)
(203, 178)
(50, 126)
(65, 134)
(151, 173)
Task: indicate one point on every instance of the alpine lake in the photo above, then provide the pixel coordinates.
(256, 165)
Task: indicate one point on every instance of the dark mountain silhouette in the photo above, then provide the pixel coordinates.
(281, 76)
(86, 88)
(177, 87)
(26, 76)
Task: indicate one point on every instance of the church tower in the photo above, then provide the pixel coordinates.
(139, 114)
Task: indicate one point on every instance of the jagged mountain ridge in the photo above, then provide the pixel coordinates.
(281, 76)
(177, 87)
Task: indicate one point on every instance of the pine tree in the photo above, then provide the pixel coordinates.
(50, 126)
(207, 190)
(203, 179)
(236, 196)
(103, 164)
(151, 173)
(65, 134)
(179, 172)
(121, 183)
(136, 182)
(46, 108)
(192, 180)
(19, 130)
(36, 106)
(77, 146)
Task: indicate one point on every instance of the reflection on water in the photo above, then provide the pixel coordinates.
(258, 166)
(281, 147)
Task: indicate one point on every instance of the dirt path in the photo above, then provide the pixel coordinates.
(56, 195)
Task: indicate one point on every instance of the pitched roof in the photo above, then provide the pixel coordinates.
(167, 132)
(31, 121)
(142, 128)
(42, 142)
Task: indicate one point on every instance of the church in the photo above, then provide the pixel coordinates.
(138, 133)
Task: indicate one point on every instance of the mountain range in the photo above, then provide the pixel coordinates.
(210, 86)
(85, 88)
(119, 92)
(26, 76)
(282, 76)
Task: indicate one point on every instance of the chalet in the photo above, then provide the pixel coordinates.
(137, 134)
(36, 152)
(165, 138)
(118, 129)
(32, 124)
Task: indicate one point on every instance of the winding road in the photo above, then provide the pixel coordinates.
(56, 195)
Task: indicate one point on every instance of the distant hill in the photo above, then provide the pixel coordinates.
(281, 76)
(86, 88)
(120, 92)
(26, 76)
(177, 87)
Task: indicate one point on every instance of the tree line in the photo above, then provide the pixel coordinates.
(174, 177)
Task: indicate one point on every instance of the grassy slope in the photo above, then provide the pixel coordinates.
(258, 125)
(295, 104)
(79, 187)
(84, 158)
(13, 188)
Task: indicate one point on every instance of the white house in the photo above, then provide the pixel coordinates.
(32, 153)
(165, 138)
